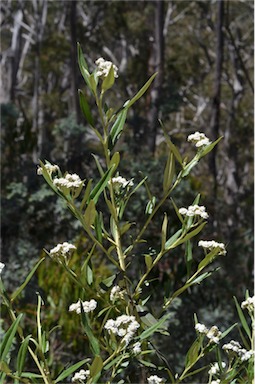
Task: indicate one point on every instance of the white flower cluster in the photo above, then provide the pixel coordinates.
(136, 348)
(213, 333)
(49, 168)
(215, 381)
(234, 346)
(69, 181)
(2, 265)
(199, 139)
(215, 368)
(116, 293)
(122, 182)
(80, 376)
(104, 66)
(154, 379)
(88, 306)
(212, 245)
(124, 326)
(63, 249)
(193, 210)
(249, 303)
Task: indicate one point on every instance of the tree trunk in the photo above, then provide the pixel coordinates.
(215, 118)
(156, 65)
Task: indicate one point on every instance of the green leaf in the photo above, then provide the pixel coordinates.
(189, 166)
(171, 145)
(9, 337)
(108, 80)
(90, 213)
(99, 225)
(242, 318)
(96, 366)
(163, 232)
(208, 259)
(188, 257)
(209, 148)
(190, 234)
(117, 127)
(172, 239)
(28, 278)
(67, 372)
(99, 167)
(193, 353)
(85, 108)
(115, 160)
(94, 344)
(22, 355)
(96, 192)
(155, 327)
(148, 261)
(86, 194)
(140, 92)
(169, 172)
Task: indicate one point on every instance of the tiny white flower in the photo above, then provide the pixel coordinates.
(124, 326)
(2, 265)
(69, 181)
(249, 303)
(120, 181)
(245, 355)
(201, 328)
(154, 379)
(104, 66)
(215, 381)
(232, 346)
(199, 139)
(215, 368)
(63, 249)
(49, 168)
(116, 293)
(137, 348)
(194, 210)
(214, 334)
(88, 306)
(80, 376)
(212, 245)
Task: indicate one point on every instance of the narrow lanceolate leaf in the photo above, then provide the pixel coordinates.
(96, 366)
(22, 355)
(117, 127)
(101, 185)
(141, 92)
(163, 232)
(242, 318)
(90, 213)
(28, 278)
(83, 65)
(86, 194)
(209, 148)
(208, 259)
(94, 344)
(193, 353)
(169, 172)
(85, 108)
(171, 145)
(108, 80)
(115, 160)
(155, 327)
(67, 372)
(173, 239)
(8, 338)
(190, 235)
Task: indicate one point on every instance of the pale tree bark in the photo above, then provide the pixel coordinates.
(216, 101)
(156, 64)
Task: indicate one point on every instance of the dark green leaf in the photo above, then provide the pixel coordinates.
(108, 80)
(169, 172)
(242, 318)
(85, 108)
(67, 372)
(140, 92)
(96, 192)
(118, 127)
(9, 338)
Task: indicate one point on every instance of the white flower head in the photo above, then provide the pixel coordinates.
(210, 245)
(201, 328)
(154, 379)
(63, 249)
(124, 326)
(104, 66)
(249, 303)
(116, 293)
(215, 368)
(137, 348)
(80, 376)
(194, 210)
(199, 139)
(69, 181)
(215, 381)
(232, 346)
(2, 265)
(50, 168)
(214, 334)
(88, 306)
(121, 182)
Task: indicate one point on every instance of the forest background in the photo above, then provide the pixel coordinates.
(203, 53)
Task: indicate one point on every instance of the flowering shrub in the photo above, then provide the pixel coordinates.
(115, 313)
